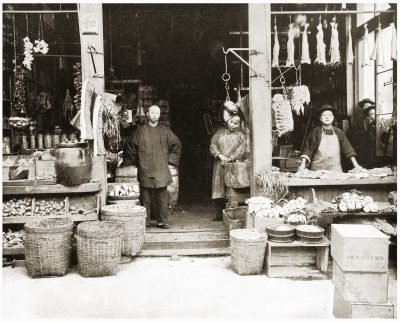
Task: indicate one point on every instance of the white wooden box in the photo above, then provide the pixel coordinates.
(360, 248)
(361, 286)
(352, 310)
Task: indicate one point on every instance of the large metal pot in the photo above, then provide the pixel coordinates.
(73, 163)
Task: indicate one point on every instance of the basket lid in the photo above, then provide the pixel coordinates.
(247, 234)
(123, 209)
(101, 229)
(49, 225)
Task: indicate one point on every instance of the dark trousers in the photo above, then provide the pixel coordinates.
(156, 199)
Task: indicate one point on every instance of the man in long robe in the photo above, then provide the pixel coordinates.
(155, 146)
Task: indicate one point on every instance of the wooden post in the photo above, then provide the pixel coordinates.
(91, 34)
(260, 90)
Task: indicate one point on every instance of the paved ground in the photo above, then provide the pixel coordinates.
(162, 288)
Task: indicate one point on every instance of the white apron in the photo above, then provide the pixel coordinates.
(328, 154)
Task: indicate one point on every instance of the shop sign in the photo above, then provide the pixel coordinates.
(89, 19)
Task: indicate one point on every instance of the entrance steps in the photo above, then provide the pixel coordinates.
(200, 242)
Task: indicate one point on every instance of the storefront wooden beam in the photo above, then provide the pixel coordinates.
(91, 35)
(260, 89)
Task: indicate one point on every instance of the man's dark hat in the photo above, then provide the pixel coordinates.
(326, 107)
(365, 100)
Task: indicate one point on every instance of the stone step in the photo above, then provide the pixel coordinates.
(186, 240)
(223, 251)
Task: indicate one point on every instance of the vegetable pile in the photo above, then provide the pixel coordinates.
(17, 207)
(13, 239)
(124, 190)
(26, 162)
(355, 201)
(49, 207)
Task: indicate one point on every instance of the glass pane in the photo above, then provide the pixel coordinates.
(384, 92)
(384, 136)
(387, 48)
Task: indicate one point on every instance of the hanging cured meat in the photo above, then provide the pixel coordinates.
(98, 145)
(334, 47)
(350, 55)
(366, 59)
(290, 45)
(86, 103)
(305, 51)
(377, 53)
(275, 59)
(320, 46)
(394, 42)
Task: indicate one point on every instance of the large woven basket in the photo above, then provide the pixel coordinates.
(134, 218)
(248, 251)
(48, 245)
(99, 247)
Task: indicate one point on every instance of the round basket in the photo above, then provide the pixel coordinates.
(134, 218)
(310, 231)
(248, 250)
(48, 245)
(99, 247)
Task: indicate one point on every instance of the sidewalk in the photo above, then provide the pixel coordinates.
(162, 288)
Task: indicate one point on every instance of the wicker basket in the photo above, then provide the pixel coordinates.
(48, 244)
(134, 218)
(99, 247)
(248, 251)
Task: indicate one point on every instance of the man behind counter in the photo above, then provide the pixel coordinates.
(326, 144)
(156, 146)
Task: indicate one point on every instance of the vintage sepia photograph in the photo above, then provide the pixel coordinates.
(199, 160)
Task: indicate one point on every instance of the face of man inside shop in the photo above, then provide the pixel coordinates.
(326, 117)
(153, 114)
(233, 123)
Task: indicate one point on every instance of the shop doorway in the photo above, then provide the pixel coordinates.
(178, 50)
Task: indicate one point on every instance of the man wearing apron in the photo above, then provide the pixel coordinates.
(326, 144)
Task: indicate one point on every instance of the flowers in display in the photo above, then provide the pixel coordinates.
(28, 50)
(40, 47)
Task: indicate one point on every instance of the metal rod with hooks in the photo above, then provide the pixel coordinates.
(343, 12)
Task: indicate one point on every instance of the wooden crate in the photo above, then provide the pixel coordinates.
(352, 310)
(360, 248)
(234, 218)
(46, 168)
(297, 260)
(361, 286)
(236, 196)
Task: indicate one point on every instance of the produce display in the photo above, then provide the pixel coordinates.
(355, 201)
(124, 190)
(49, 208)
(392, 198)
(13, 239)
(26, 162)
(17, 207)
(296, 219)
(18, 122)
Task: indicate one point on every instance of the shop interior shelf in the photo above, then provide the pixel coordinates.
(51, 189)
(25, 219)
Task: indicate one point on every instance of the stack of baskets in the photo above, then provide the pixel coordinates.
(99, 247)
(134, 219)
(48, 245)
(248, 250)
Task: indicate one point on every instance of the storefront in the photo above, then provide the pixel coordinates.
(189, 59)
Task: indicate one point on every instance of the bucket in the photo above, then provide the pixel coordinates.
(173, 188)
(248, 251)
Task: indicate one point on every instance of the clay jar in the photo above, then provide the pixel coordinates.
(73, 163)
